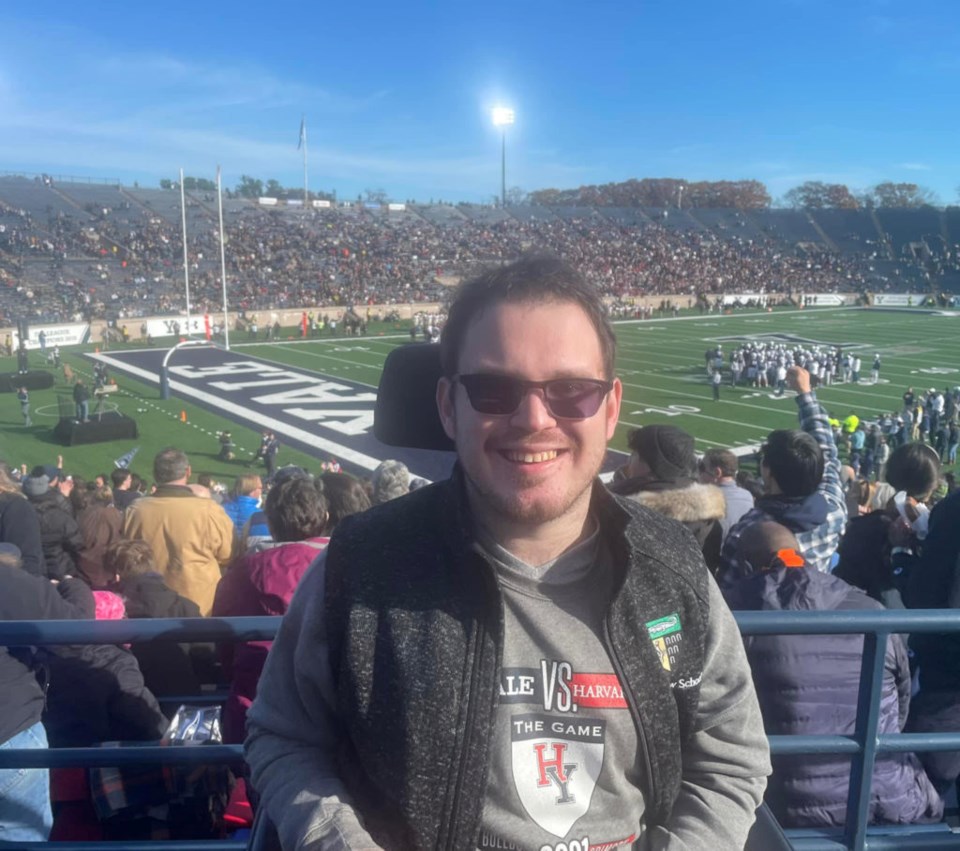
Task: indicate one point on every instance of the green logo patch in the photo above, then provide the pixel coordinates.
(662, 627)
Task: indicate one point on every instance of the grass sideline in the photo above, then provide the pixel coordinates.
(660, 362)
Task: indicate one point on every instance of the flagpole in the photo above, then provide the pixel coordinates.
(186, 264)
(303, 139)
(223, 264)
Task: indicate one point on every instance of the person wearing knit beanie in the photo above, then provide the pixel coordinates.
(666, 452)
(662, 475)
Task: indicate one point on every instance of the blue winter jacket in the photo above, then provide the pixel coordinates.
(807, 684)
(240, 509)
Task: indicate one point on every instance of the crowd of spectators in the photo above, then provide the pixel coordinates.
(817, 528)
(799, 535)
(113, 548)
(127, 261)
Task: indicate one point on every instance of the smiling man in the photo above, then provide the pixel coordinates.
(513, 658)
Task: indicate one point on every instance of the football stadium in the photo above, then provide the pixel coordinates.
(528, 502)
(864, 300)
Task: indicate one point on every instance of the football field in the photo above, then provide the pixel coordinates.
(661, 363)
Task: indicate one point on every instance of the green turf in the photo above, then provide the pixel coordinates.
(660, 362)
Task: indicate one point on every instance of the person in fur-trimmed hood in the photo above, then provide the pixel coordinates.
(662, 475)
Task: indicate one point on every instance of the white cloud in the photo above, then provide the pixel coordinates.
(915, 166)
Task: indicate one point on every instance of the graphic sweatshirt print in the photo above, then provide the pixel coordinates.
(566, 769)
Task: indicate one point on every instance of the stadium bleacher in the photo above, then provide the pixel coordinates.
(790, 227)
(852, 231)
(87, 250)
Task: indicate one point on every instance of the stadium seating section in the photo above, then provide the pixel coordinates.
(76, 251)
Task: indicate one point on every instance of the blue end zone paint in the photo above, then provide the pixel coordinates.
(324, 416)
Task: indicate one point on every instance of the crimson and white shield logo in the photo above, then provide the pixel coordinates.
(556, 763)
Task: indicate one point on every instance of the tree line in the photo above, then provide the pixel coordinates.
(647, 192)
(735, 194)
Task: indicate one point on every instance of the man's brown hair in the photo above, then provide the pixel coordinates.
(722, 459)
(535, 278)
(128, 558)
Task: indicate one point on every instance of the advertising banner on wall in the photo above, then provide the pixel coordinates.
(896, 299)
(826, 299)
(174, 325)
(743, 298)
(55, 335)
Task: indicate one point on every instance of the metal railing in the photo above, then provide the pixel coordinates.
(866, 741)
(863, 745)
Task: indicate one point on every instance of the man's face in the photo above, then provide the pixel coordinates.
(529, 468)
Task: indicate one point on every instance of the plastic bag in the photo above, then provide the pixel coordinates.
(194, 725)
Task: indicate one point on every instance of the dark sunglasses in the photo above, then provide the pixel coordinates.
(565, 398)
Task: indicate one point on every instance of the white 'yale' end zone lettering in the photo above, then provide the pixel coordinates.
(360, 422)
(238, 367)
(322, 391)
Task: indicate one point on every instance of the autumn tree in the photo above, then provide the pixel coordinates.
(901, 195)
(516, 196)
(249, 187)
(817, 195)
(375, 196)
(201, 184)
(661, 192)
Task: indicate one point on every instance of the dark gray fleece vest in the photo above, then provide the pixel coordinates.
(414, 620)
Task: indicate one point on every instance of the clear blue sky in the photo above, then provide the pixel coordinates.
(397, 95)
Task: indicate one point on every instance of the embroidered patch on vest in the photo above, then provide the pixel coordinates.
(666, 633)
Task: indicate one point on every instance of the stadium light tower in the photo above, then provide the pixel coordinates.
(503, 117)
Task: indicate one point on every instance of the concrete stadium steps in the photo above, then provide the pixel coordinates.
(670, 218)
(789, 227)
(728, 224)
(440, 214)
(852, 231)
(903, 227)
(41, 201)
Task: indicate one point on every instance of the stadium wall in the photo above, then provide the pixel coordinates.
(290, 317)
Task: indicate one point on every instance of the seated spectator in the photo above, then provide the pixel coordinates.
(751, 484)
(19, 524)
(344, 495)
(245, 499)
(262, 583)
(168, 669)
(96, 692)
(871, 551)
(25, 814)
(933, 582)
(99, 523)
(720, 467)
(390, 480)
(801, 478)
(809, 685)
(60, 535)
(255, 534)
(661, 476)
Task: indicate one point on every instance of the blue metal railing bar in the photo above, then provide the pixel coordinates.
(136, 845)
(862, 746)
(25, 633)
(113, 756)
(848, 622)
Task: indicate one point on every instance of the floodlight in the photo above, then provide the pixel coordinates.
(502, 116)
